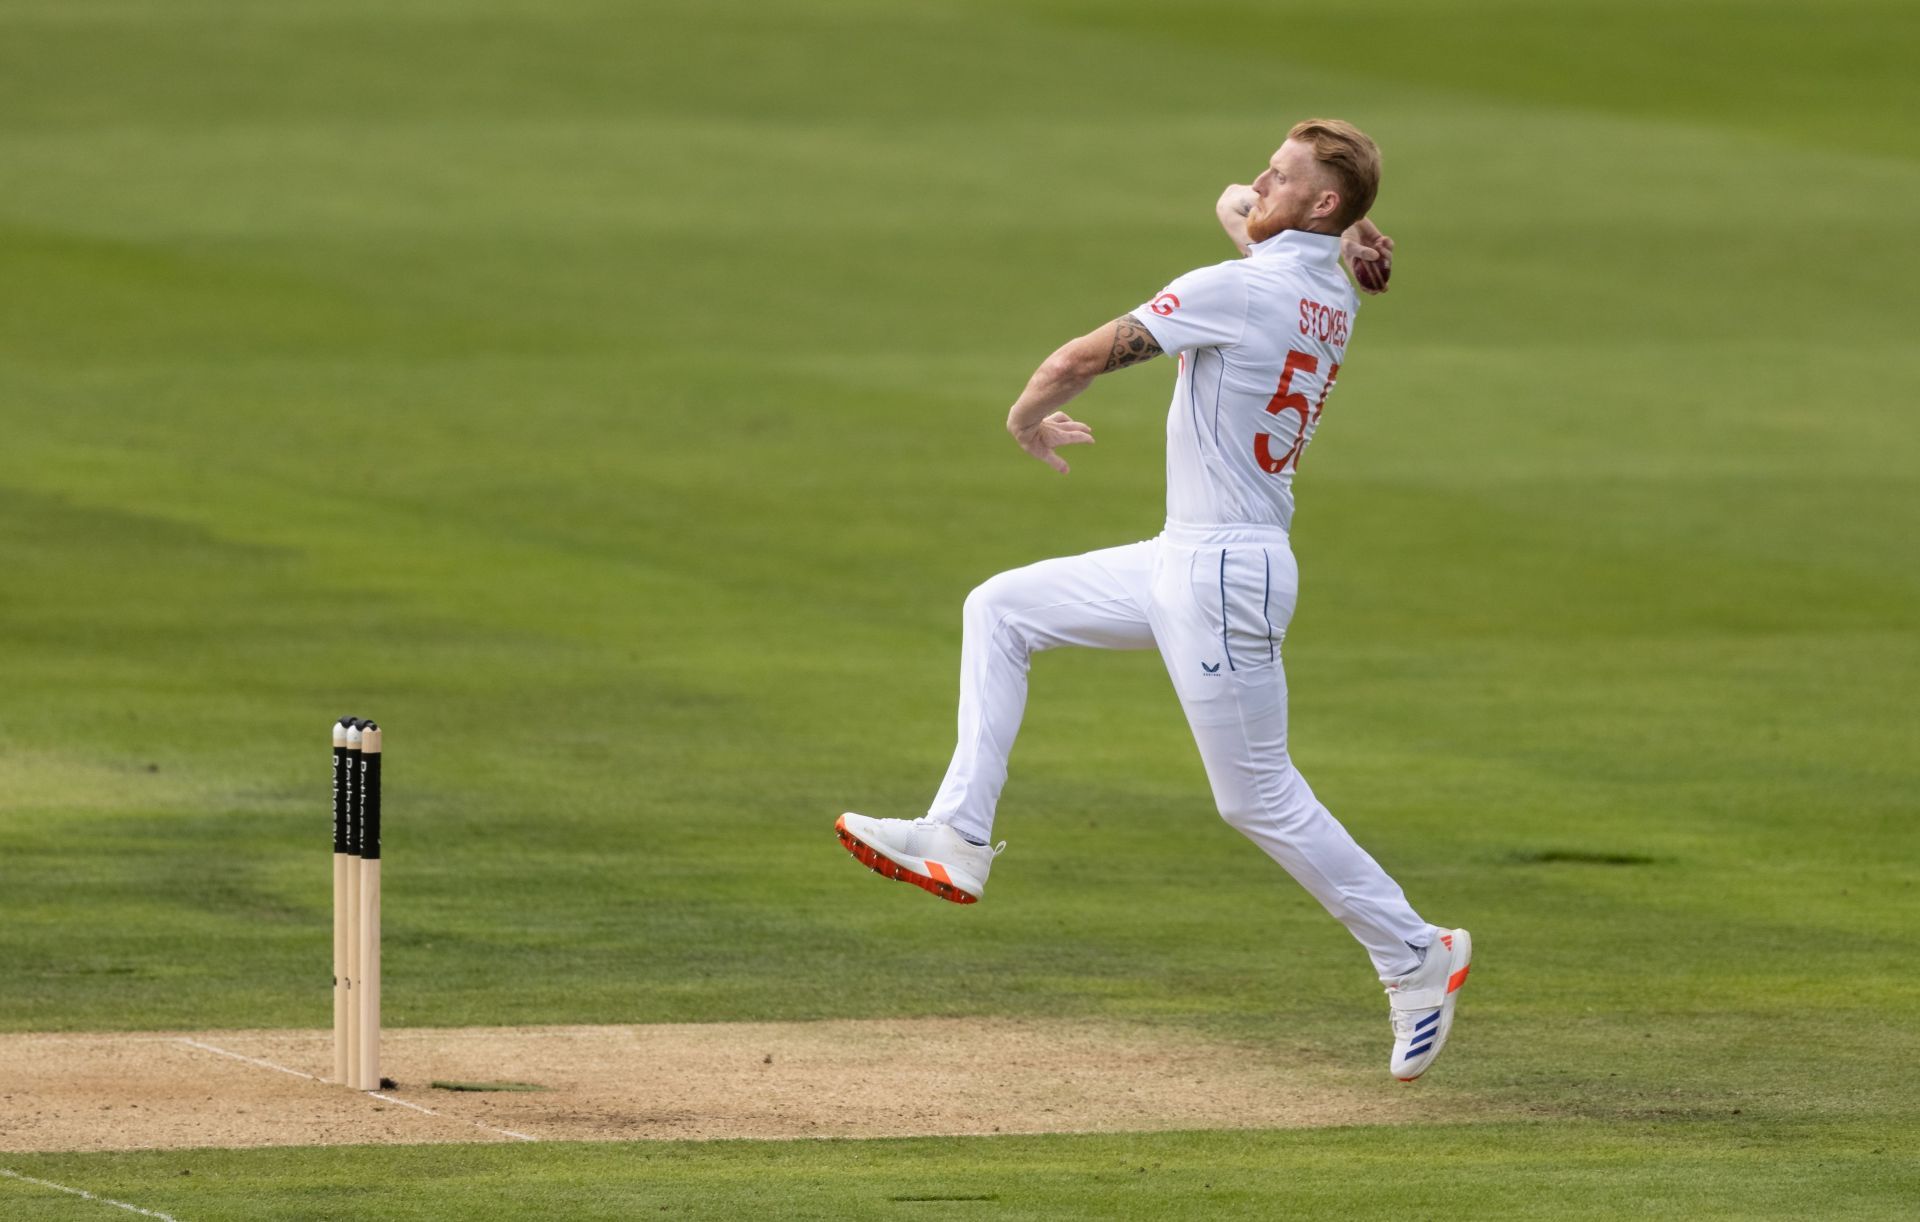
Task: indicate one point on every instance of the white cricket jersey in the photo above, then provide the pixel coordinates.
(1260, 342)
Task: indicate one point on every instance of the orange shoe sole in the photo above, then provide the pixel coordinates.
(886, 867)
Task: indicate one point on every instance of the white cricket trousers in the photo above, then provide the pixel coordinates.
(1216, 602)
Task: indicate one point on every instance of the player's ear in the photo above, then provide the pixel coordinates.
(1328, 205)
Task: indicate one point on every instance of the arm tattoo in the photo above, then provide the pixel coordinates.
(1132, 343)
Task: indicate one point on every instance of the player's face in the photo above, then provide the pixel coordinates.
(1294, 192)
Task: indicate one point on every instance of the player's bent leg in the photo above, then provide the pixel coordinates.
(1096, 600)
(1262, 795)
(1220, 607)
(929, 855)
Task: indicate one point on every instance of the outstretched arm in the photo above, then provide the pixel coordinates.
(1034, 421)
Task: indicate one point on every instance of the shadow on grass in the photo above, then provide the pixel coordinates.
(1585, 857)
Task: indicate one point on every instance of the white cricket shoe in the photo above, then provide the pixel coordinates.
(931, 856)
(1421, 1003)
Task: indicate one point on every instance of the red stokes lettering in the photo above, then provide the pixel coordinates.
(1323, 322)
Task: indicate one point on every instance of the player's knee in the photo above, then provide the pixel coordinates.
(1270, 804)
(1240, 814)
(978, 611)
(991, 601)
(992, 608)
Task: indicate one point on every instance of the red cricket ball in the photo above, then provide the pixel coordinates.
(1372, 273)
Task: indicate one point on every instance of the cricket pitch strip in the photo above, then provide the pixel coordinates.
(836, 1078)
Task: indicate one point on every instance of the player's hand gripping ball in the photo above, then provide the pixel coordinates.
(1372, 274)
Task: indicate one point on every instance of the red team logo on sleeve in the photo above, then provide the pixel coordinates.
(1164, 304)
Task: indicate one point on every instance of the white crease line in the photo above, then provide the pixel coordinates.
(438, 1034)
(249, 1060)
(429, 1111)
(85, 1037)
(403, 1103)
(81, 1192)
(371, 1093)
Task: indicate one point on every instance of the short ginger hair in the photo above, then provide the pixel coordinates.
(1353, 159)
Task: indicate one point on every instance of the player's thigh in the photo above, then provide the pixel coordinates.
(1222, 611)
(1097, 599)
(1219, 616)
(1238, 716)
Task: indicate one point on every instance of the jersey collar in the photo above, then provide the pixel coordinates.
(1314, 247)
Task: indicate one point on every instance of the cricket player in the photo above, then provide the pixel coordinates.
(1261, 340)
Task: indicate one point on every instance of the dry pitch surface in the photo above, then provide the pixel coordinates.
(128, 1091)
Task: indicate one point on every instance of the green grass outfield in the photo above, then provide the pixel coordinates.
(608, 398)
(1701, 1170)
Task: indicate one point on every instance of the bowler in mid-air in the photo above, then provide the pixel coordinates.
(1261, 340)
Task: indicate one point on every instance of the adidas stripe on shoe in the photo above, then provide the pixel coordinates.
(1421, 1003)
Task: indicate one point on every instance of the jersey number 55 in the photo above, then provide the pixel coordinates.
(1287, 399)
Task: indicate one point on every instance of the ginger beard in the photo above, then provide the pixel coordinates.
(1272, 215)
(1263, 225)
